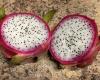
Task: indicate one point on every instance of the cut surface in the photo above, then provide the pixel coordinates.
(24, 32)
(73, 37)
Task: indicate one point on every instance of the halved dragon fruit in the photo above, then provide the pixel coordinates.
(74, 39)
(24, 34)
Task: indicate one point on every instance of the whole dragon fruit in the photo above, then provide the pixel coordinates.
(75, 40)
(24, 34)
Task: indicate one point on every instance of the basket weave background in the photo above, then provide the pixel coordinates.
(44, 68)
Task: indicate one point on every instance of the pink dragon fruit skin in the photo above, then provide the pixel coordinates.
(34, 51)
(91, 57)
(88, 55)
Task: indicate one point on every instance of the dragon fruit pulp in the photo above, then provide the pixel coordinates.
(74, 40)
(24, 34)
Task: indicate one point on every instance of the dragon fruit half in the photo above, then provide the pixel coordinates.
(24, 34)
(74, 40)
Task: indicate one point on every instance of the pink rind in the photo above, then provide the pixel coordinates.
(8, 54)
(87, 54)
(43, 47)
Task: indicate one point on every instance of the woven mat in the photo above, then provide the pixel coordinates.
(44, 68)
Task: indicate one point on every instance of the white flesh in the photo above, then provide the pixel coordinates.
(24, 32)
(72, 38)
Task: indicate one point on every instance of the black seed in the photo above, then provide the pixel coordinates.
(84, 39)
(24, 41)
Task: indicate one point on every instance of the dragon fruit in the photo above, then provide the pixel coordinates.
(74, 40)
(24, 34)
